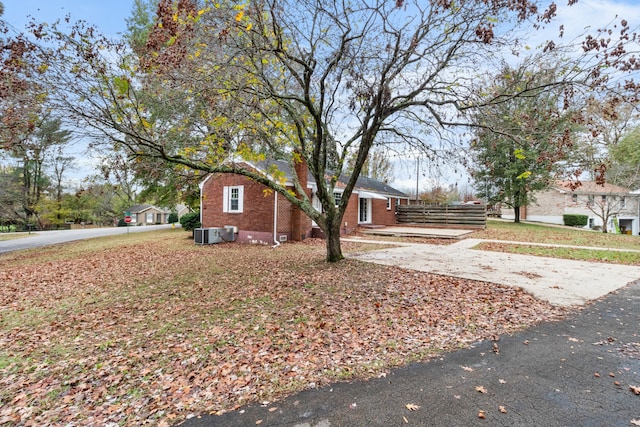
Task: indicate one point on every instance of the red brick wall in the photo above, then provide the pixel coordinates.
(257, 212)
(350, 218)
(255, 222)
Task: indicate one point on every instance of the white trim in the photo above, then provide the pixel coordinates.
(367, 195)
(226, 199)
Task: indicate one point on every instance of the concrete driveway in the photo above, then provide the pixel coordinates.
(561, 282)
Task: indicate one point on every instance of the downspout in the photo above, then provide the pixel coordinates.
(275, 220)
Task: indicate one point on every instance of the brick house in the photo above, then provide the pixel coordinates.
(264, 216)
(560, 199)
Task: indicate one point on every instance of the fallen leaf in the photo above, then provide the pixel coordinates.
(635, 389)
(612, 375)
(616, 383)
(467, 368)
(496, 349)
(596, 374)
(501, 381)
(502, 409)
(406, 421)
(481, 389)
(482, 414)
(259, 422)
(412, 407)
(635, 422)
(526, 342)
(275, 408)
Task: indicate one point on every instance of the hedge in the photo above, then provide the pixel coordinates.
(575, 220)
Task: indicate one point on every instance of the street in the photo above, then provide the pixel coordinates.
(46, 238)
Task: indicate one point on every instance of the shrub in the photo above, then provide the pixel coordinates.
(173, 217)
(122, 222)
(190, 221)
(575, 220)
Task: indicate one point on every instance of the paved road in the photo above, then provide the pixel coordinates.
(46, 238)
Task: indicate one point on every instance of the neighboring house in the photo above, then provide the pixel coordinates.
(264, 216)
(149, 214)
(591, 199)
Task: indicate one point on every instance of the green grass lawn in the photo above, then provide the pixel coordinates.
(10, 236)
(612, 244)
(540, 233)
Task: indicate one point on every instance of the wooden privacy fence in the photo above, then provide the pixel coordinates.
(463, 216)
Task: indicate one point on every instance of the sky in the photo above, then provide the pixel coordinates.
(109, 16)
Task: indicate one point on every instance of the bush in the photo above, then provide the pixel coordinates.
(190, 221)
(173, 217)
(575, 220)
(122, 222)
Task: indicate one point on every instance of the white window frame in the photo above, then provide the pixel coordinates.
(623, 202)
(228, 193)
(149, 218)
(388, 203)
(337, 196)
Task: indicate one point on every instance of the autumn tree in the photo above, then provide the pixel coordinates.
(10, 196)
(624, 166)
(21, 97)
(606, 206)
(302, 81)
(522, 144)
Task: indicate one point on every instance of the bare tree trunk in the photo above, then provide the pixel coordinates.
(516, 212)
(332, 235)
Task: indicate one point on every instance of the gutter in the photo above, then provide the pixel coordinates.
(275, 220)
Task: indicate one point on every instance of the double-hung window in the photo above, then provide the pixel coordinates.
(337, 196)
(233, 199)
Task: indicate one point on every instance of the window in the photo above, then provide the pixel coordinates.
(397, 202)
(337, 197)
(388, 203)
(574, 198)
(150, 218)
(233, 199)
(590, 200)
(603, 198)
(623, 202)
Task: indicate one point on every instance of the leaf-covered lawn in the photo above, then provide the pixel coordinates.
(149, 328)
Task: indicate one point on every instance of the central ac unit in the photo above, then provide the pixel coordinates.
(207, 236)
